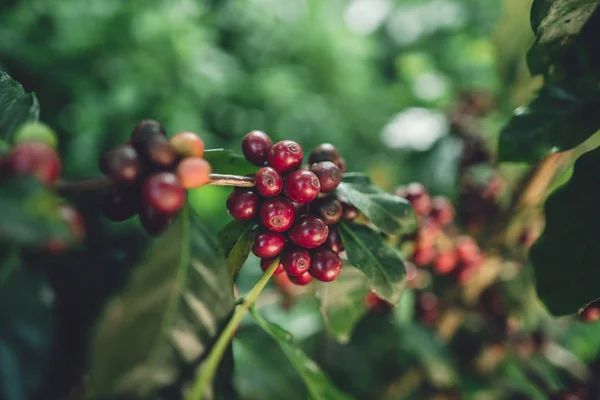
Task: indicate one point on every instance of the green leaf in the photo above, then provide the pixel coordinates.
(383, 266)
(343, 302)
(236, 240)
(175, 305)
(558, 119)
(566, 256)
(225, 161)
(391, 214)
(16, 107)
(318, 384)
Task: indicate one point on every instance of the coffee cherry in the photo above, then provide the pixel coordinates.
(121, 203)
(193, 172)
(417, 195)
(277, 214)
(324, 152)
(301, 280)
(328, 209)
(36, 131)
(268, 182)
(329, 175)
(341, 164)
(326, 265)
(163, 192)
(144, 130)
(160, 153)
(334, 241)
(150, 141)
(349, 212)
(301, 186)
(445, 262)
(301, 208)
(37, 159)
(121, 164)
(153, 221)
(423, 256)
(265, 263)
(375, 303)
(591, 312)
(296, 261)
(243, 204)
(442, 210)
(285, 156)
(467, 249)
(74, 221)
(308, 232)
(256, 146)
(187, 144)
(268, 244)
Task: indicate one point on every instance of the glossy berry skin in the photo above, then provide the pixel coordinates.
(36, 159)
(301, 186)
(417, 195)
(296, 261)
(153, 221)
(122, 165)
(120, 203)
(268, 182)
(334, 241)
(277, 214)
(326, 265)
(187, 144)
(285, 156)
(442, 210)
(256, 146)
(193, 172)
(445, 262)
(309, 232)
(243, 204)
(324, 152)
(268, 244)
(150, 141)
(265, 263)
(163, 192)
(329, 175)
(349, 212)
(328, 209)
(301, 280)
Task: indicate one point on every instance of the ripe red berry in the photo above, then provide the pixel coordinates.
(121, 203)
(243, 204)
(445, 262)
(442, 210)
(349, 212)
(301, 186)
(277, 214)
(296, 262)
(268, 182)
(153, 221)
(256, 146)
(193, 172)
(591, 313)
(329, 175)
(308, 232)
(326, 265)
(187, 144)
(122, 164)
(301, 280)
(334, 241)
(374, 303)
(328, 209)
(285, 156)
(419, 198)
(324, 152)
(467, 249)
(268, 244)
(423, 256)
(163, 192)
(265, 263)
(36, 159)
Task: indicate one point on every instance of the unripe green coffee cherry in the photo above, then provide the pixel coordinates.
(36, 131)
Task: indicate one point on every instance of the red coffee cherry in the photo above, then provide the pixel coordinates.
(334, 241)
(193, 172)
(301, 280)
(326, 265)
(256, 146)
(308, 232)
(442, 210)
(268, 182)
(163, 192)
(277, 214)
(417, 195)
(243, 204)
(296, 261)
(301, 186)
(285, 156)
(467, 249)
(446, 262)
(423, 256)
(329, 175)
(153, 221)
(268, 244)
(329, 209)
(122, 164)
(349, 212)
(36, 159)
(121, 203)
(591, 313)
(187, 144)
(375, 303)
(324, 152)
(265, 263)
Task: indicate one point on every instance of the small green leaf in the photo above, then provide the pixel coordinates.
(225, 161)
(558, 119)
(343, 302)
(236, 240)
(391, 214)
(318, 384)
(167, 318)
(566, 257)
(16, 107)
(383, 266)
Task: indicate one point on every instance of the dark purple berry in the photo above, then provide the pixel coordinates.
(334, 241)
(308, 232)
(268, 244)
(324, 152)
(301, 280)
(349, 212)
(153, 221)
(277, 214)
(285, 156)
(121, 164)
(268, 182)
(301, 186)
(326, 265)
(341, 164)
(329, 175)
(150, 141)
(329, 209)
(163, 192)
(122, 203)
(144, 130)
(265, 263)
(296, 261)
(256, 146)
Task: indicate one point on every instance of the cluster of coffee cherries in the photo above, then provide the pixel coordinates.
(294, 206)
(150, 174)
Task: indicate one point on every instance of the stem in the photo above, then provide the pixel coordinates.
(206, 372)
(230, 180)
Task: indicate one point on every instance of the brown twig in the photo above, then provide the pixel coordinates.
(230, 180)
